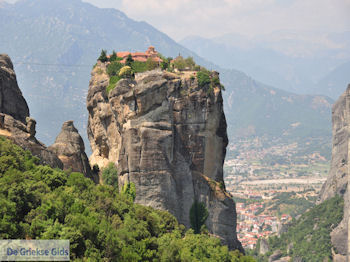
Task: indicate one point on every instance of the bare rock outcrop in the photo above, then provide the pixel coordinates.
(168, 136)
(15, 123)
(264, 246)
(17, 131)
(12, 101)
(339, 177)
(70, 149)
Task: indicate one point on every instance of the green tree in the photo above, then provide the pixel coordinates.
(189, 62)
(39, 202)
(113, 57)
(139, 67)
(129, 60)
(110, 175)
(96, 170)
(198, 216)
(203, 78)
(114, 68)
(129, 190)
(179, 63)
(103, 57)
(151, 64)
(165, 64)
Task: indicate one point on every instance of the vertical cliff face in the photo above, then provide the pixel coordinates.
(12, 101)
(15, 123)
(168, 136)
(70, 149)
(338, 179)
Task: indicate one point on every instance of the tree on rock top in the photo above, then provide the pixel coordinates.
(103, 57)
(129, 60)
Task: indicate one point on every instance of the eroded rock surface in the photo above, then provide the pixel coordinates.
(15, 122)
(70, 149)
(12, 101)
(16, 131)
(168, 136)
(338, 178)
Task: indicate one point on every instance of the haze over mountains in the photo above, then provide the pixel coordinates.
(305, 63)
(54, 45)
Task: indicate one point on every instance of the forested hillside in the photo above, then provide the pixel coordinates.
(308, 238)
(39, 202)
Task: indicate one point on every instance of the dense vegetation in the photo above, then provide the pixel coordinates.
(38, 202)
(207, 78)
(290, 203)
(110, 175)
(308, 237)
(198, 216)
(115, 69)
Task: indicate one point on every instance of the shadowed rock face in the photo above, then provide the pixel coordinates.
(11, 100)
(168, 136)
(15, 123)
(338, 177)
(70, 149)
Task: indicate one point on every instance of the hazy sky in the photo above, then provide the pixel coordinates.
(208, 18)
(179, 18)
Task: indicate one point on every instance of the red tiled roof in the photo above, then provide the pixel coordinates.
(141, 56)
(140, 59)
(138, 54)
(123, 54)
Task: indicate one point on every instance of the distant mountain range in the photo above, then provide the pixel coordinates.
(334, 83)
(55, 43)
(291, 61)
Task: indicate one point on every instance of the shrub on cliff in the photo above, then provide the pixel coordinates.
(112, 83)
(203, 78)
(114, 68)
(125, 72)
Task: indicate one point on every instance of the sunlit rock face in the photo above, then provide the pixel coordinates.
(168, 136)
(338, 178)
(70, 149)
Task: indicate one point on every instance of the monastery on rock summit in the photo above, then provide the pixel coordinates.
(140, 56)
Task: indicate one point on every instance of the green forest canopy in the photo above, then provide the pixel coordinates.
(39, 202)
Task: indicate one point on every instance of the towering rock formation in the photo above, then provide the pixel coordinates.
(338, 180)
(168, 136)
(11, 100)
(15, 122)
(70, 149)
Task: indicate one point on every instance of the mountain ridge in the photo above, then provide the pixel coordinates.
(275, 60)
(40, 58)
